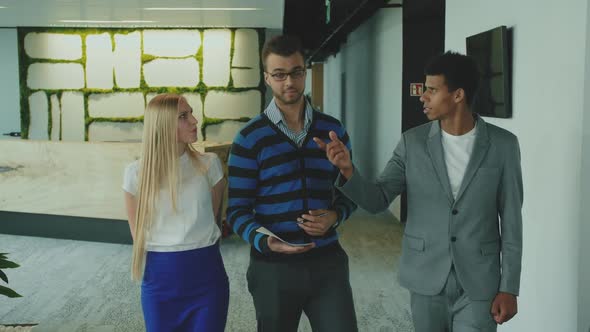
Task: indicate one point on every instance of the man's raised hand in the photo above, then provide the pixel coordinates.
(337, 153)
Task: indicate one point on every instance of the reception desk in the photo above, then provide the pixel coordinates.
(81, 179)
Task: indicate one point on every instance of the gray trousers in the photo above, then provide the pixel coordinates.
(451, 311)
(317, 285)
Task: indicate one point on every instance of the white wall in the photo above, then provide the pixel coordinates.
(9, 84)
(372, 62)
(548, 104)
(584, 282)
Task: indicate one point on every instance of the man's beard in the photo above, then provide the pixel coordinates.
(290, 101)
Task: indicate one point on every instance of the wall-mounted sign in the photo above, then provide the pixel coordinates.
(416, 89)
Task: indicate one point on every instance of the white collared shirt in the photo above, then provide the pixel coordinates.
(276, 116)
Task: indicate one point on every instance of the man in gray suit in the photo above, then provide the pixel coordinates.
(464, 186)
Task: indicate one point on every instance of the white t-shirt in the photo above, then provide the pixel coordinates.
(457, 150)
(193, 225)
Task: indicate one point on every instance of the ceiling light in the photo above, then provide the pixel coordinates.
(105, 22)
(204, 9)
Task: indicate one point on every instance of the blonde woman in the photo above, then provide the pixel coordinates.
(173, 196)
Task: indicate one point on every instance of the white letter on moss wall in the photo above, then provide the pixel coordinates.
(55, 117)
(99, 61)
(102, 61)
(171, 43)
(53, 46)
(127, 57)
(116, 105)
(72, 116)
(55, 76)
(216, 54)
(246, 59)
(39, 120)
(172, 72)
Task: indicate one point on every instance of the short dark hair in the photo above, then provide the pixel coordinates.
(459, 71)
(283, 45)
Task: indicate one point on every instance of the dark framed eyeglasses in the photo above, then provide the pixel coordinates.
(295, 74)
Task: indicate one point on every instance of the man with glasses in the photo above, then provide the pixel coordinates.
(279, 180)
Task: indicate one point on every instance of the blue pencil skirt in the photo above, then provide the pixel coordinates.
(185, 291)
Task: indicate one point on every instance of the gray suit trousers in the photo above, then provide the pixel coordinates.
(451, 310)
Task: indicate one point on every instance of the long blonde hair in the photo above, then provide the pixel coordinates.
(158, 169)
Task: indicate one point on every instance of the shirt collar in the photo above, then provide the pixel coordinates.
(274, 113)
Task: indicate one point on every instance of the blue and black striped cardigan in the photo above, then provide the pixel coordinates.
(272, 181)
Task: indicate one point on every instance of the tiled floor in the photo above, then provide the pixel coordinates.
(85, 286)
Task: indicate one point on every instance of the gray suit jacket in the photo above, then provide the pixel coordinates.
(471, 231)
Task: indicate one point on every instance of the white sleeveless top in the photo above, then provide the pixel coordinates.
(193, 225)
